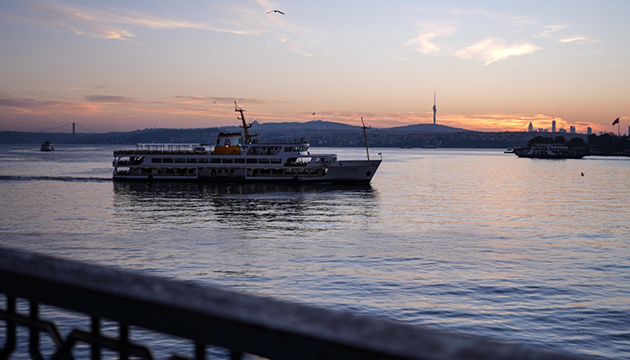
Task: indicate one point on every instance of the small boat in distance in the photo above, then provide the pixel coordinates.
(47, 146)
(509, 151)
(239, 157)
(548, 151)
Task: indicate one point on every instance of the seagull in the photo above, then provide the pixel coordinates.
(582, 174)
(275, 11)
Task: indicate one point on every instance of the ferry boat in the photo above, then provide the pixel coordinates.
(239, 157)
(47, 146)
(548, 151)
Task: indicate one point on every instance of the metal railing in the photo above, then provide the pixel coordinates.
(241, 323)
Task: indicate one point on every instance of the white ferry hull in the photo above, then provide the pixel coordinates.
(344, 171)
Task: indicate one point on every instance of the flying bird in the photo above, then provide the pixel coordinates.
(275, 11)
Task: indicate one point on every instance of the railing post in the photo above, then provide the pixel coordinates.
(96, 331)
(9, 344)
(200, 351)
(33, 348)
(123, 336)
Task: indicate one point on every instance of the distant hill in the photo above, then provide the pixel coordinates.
(309, 125)
(318, 133)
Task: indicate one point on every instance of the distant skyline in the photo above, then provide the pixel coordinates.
(495, 65)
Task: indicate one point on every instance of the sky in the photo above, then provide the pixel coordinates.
(493, 65)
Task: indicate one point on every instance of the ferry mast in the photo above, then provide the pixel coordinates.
(365, 137)
(245, 126)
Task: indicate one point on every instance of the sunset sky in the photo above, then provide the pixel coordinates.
(495, 65)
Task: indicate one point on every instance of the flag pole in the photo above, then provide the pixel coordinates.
(618, 126)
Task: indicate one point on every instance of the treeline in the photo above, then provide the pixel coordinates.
(317, 137)
(605, 144)
(609, 144)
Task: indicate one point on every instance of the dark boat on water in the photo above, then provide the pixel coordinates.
(548, 151)
(47, 146)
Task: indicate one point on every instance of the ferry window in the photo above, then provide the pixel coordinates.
(276, 161)
(156, 160)
(191, 160)
(180, 160)
(228, 161)
(203, 160)
(167, 160)
(252, 161)
(288, 149)
(263, 161)
(239, 161)
(215, 160)
(276, 172)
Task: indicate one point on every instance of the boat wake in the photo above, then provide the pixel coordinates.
(54, 178)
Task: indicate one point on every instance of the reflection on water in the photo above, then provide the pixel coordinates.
(247, 206)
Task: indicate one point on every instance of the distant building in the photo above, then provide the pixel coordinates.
(541, 130)
(562, 131)
(530, 128)
(553, 126)
(628, 130)
(589, 131)
(572, 129)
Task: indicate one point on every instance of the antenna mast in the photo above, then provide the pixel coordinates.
(365, 137)
(434, 108)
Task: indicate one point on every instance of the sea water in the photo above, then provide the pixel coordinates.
(475, 241)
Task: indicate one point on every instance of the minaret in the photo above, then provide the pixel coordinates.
(434, 108)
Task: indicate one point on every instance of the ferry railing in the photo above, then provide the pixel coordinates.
(241, 323)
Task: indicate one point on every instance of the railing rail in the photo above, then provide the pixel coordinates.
(208, 316)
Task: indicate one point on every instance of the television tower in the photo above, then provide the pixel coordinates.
(434, 108)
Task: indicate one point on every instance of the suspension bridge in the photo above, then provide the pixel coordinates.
(74, 125)
(67, 126)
